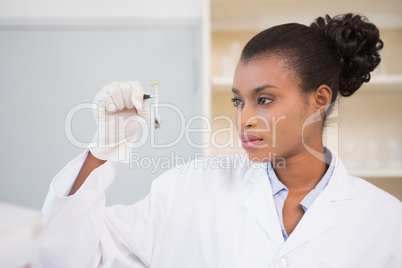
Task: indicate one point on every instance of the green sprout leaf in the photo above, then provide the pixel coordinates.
(155, 82)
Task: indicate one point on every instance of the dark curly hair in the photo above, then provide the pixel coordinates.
(339, 52)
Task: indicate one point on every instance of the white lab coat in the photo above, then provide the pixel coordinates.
(222, 217)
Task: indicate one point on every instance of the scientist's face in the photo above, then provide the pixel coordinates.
(270, 109)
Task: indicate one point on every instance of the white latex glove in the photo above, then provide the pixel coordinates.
(120, 111)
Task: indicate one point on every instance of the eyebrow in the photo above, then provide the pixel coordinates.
(256, 90)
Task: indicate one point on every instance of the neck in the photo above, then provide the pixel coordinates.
(303, 170)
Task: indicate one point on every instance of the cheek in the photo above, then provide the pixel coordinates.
(237, 118)
(289, 128)
(287, 125)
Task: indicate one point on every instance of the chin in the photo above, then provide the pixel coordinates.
(263, 156)
(259, 157)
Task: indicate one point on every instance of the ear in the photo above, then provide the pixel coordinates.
(322, 98)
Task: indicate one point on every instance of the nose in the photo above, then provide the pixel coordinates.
(247, 117)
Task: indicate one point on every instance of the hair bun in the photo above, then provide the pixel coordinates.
(357, 43)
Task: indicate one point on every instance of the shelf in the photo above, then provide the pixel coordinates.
(391, 79)
(376, 173)
(222, 81)
(386, 82)
(391, 82)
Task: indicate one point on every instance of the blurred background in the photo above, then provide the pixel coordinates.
(56, 55)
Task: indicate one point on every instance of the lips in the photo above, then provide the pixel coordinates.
(249, 141)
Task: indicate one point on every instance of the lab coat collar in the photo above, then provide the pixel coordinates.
(260, 203)
(339, 186)
(320, 217)
(339, 183)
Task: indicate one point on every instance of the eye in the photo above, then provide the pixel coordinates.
(264, 101)
(236, 102)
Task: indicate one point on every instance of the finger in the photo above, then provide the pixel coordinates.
(137, 96)
(126, 91)
(145, 103)
(110, 104)
(145, 112)
(114, 91)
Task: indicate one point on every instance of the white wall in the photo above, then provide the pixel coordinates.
(46, 71)
(99, 9)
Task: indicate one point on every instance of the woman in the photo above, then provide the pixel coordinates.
(290, 204)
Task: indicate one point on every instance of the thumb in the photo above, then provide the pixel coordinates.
(137, 97)
(145, 112)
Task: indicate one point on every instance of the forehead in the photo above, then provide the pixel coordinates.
(270, 70)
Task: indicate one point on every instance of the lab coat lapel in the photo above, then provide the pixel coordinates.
(318, 218)
(260, 203)
(321, 215)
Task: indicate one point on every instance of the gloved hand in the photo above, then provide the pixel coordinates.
(120, 111)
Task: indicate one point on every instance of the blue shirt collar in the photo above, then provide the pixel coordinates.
(278, 188)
